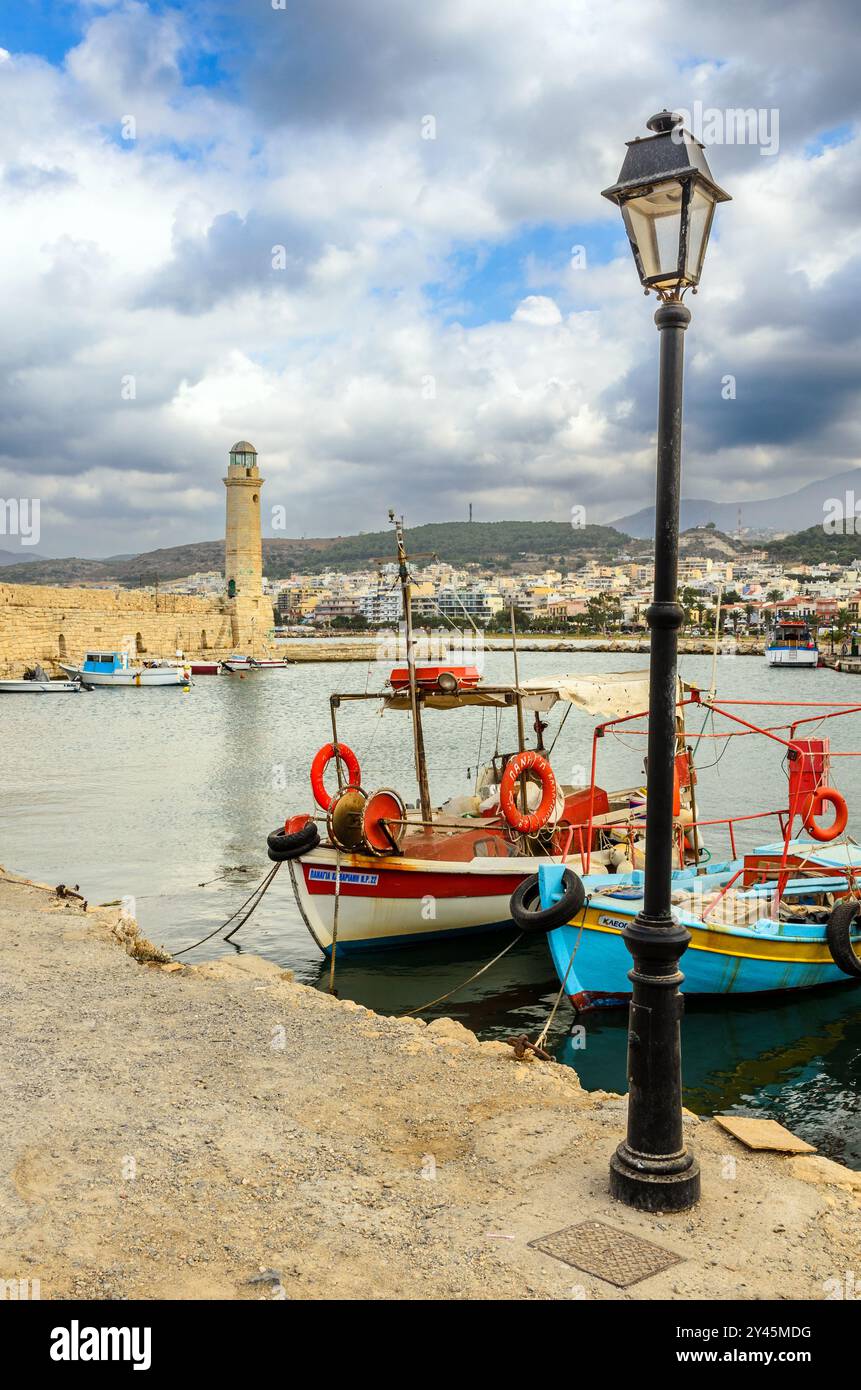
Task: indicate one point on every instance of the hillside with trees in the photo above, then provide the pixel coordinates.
(500, 544)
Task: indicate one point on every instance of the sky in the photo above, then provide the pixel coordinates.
(369, 236)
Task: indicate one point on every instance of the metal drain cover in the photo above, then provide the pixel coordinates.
(616, 1256)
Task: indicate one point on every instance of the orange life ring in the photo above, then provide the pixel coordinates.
(825, 796)
(322, 761)
(527, 822)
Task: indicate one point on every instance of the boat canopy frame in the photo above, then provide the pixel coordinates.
(593, 693)
(828, 709)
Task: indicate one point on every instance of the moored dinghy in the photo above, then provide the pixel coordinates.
(239, 663)
(38, 682)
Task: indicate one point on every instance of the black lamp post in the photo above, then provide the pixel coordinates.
(667, 197)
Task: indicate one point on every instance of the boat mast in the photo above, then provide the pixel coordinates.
(521, 733)
(713, 685)
(418, 735)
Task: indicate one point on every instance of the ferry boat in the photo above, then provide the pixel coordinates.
(784, 916)
(367, 872)
(792, 644)
(102, 668)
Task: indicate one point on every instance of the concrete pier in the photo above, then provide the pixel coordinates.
(220, 1131)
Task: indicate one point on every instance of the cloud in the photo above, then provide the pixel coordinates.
(537, 309)
(424, 339)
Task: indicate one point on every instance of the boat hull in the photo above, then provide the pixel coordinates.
(38, 687)
(382, 906)
(255, 665)
(720, 959)
(148, 675)
(791, 656)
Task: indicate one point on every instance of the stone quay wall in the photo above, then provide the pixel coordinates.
(50, 625)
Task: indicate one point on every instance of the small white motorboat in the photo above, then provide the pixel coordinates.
(38, 682)
(115, 668)
(251, 663)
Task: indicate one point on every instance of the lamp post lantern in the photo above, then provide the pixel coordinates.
(667, 197)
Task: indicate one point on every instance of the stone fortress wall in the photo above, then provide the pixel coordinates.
(49, 625)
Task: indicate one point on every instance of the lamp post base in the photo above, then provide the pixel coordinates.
(654, 1184)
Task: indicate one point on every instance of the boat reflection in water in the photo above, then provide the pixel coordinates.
(796, 1060)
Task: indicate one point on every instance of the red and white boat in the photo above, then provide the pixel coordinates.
(383, 875)
(387, 876)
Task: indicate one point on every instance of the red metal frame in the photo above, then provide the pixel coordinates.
(786, 818)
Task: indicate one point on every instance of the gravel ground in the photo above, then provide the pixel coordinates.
(221, 1132)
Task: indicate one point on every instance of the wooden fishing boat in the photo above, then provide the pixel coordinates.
(367, 872)
(757, 953)
(785, 916)
(452, 875)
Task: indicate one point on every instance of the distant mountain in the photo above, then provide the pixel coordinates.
(71, 571)
(19, 557)
(815, 547)
(502, 543)
(794, 511)
(708, 542)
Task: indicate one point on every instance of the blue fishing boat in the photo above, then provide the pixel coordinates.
(742, 941)
(784, 916)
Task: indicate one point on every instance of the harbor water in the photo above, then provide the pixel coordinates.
(168, 796)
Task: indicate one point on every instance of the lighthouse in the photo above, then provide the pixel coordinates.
(243, 549)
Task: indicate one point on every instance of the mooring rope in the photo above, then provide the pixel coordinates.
(258, 893)
(542, 1036)
(423, 1007)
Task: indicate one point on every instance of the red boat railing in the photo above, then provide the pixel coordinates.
(828, 709)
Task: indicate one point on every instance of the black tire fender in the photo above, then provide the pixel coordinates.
(530, 916)
(281, 846)
(838, 934)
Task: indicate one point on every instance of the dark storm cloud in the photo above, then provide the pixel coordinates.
(799, 403)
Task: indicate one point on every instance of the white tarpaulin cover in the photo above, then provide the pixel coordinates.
(612, 694)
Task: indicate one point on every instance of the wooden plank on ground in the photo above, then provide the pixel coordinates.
(764, 1134)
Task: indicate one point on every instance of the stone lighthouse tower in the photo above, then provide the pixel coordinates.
(243, 550)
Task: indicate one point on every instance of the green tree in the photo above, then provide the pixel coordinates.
(603, 611)
(501, 621)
